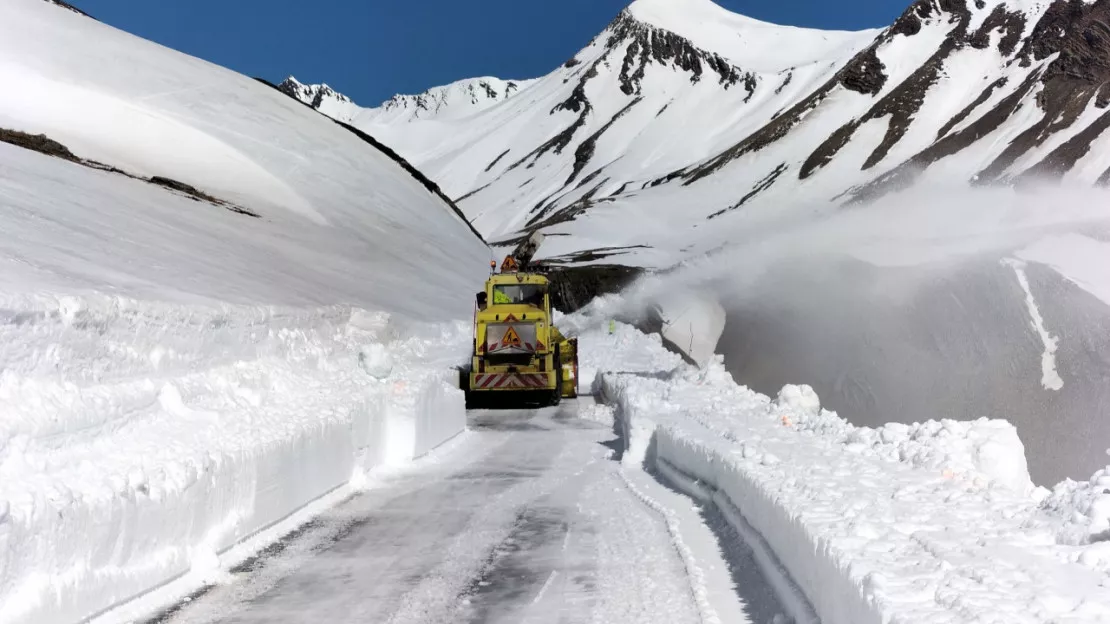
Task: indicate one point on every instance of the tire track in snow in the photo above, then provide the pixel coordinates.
(696, 575)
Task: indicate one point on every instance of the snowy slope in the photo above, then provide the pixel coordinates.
(178, 376)
(338, 218)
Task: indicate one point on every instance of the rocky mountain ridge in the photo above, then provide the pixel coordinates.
(681, 103)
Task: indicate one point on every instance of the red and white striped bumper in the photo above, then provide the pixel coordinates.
(509, 381)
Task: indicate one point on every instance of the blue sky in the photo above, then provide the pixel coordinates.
(371, 49)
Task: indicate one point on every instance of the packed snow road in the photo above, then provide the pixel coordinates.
(526, 518)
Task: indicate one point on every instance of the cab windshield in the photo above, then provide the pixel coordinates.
(519, 294)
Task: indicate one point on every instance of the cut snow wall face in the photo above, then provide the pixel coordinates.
(421, 414)
(693, 324)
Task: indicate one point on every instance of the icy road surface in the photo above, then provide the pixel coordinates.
(527, 518)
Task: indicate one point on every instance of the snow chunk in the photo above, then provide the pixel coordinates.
(598, 413)
(376, 360)
(799, 399)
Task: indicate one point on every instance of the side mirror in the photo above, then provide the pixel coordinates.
(481, 298)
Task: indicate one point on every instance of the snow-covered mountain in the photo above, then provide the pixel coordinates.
(680, 111)
(321, 97)
(454, 101)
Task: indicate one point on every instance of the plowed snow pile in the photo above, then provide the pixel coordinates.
(935, 522)
(176, 376)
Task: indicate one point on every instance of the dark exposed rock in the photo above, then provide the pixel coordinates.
(177, 186)
(911, 20)
(590, 178)
(909, 23)
(1010, 23)
(785, 83)
(592, 255)
(38, 143)
(1078, 33)
(49, 147)
(865, 74)
(573, 287)
(194, 193)
(901, 105)
(764, 184)
(497, 160)
(548, 216)
(970, 108)
(905, 174)
(771, 132)
(585, 150)
(66, 5)
(1061, 108)
(903, 102)
(620, 190)
(313, 95)
(1063, 158)
(647, 44)
(470, 194)
(577, 102)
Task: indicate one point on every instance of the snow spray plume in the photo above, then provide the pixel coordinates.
(930, 228)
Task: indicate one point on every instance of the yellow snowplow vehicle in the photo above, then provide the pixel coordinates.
(519, 355)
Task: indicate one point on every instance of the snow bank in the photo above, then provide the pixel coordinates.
(176, 377)
(140, 442)
(934, 522)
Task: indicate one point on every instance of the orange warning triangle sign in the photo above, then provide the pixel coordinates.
(511, 339)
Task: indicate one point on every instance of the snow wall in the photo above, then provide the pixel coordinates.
(906, 344)
(936, 522)
(222, 423)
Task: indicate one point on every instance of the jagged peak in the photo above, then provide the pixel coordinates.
(489, 86)
(461, 97)
(310, 93)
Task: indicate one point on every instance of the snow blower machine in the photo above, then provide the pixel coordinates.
(520, 358)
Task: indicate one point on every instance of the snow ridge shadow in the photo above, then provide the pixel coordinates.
(761, 581)
(763, 584)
